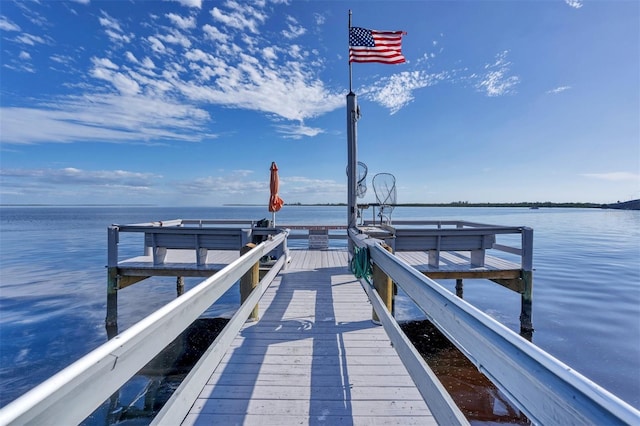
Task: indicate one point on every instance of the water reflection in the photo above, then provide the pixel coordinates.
(478, 399)
(142, 397)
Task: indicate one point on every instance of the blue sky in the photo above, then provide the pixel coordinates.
(188, 102)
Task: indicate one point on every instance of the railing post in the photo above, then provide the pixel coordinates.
(384, 286)
(249, 281)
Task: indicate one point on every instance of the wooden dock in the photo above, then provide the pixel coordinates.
(314, 356)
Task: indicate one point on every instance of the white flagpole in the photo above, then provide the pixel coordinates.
(352, 152)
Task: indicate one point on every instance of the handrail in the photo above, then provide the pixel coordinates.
(433, 392)
(440, 223)
(178, 405)
(542, 387)
(75, 392)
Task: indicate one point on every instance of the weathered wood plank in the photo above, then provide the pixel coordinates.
(315, 355)
(320, 417)
(337, 392)
(268, 369)
(286, 379)
(381, 408)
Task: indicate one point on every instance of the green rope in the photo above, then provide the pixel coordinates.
(360, 264)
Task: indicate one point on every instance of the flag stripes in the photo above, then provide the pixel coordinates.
(375, 46)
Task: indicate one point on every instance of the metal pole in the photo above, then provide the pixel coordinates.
(348, 39)
(352, 158)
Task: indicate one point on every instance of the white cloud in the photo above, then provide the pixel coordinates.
(103, 117)
(131, 57)
(73, 184)
(233, 184)
(615, 176)
(496, 81)
(181, 22)
(104, 63)
(118, 37)
(109, 22)
(241, 17)
(175, 38)
(6, 25)
(297, 131)
(72, 175)
(24, 55)
(558, 90)
(187, 73)
(148, 63)
(157, 45)
(396, 91)
(191, 3)
(212, 33)
(269, 53)
(113, 30)
(576, 4)
(294, 30)
(61, 59)
(322, 188)
(30, 39)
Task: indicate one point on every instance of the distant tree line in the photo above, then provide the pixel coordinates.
(468, 204)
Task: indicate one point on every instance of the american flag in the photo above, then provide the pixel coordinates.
(375, 46)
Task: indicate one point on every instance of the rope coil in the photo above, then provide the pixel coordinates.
(361, 264)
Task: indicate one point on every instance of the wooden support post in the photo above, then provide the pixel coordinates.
(180, 286)
(111, 321)
(249, 281)
(459, 288)
(384, 286)
(526, 326)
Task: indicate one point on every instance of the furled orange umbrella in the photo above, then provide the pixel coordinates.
(275, 202)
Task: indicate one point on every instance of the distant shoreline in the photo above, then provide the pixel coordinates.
(520, 204)
(629, 205)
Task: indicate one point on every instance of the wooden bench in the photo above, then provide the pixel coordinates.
(474, 240)
(199, 239)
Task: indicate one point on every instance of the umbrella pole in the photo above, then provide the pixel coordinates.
(273, 219)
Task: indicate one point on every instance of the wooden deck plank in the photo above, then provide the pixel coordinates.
(314, 356)
(260, 407)
(319, 418)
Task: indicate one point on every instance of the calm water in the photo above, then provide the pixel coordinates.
(586, 309)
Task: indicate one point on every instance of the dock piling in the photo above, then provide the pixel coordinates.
(111, 321)
(179, 286)
(459, 288)
(526, 325)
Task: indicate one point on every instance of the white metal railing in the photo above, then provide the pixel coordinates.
(183, 398)
(542, 387)
(75, 392)
(435, 395)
